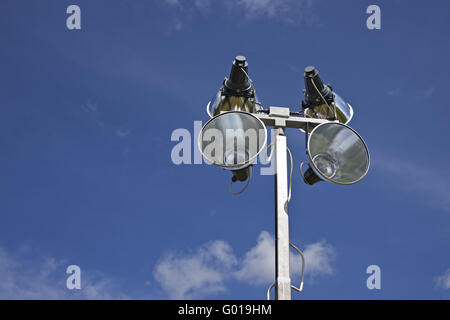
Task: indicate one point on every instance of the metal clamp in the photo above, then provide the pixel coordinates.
(300, 288)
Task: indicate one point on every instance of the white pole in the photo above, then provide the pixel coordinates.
(283, 280)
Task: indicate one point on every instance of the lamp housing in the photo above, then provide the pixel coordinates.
(337, 154)
(237, 92)
(320, 101)
(232, 140)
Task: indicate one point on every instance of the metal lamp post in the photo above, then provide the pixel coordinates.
(280, 119)
(337, 153)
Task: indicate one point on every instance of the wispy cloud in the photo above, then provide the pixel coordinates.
(286, 11)
(92, 110)
(90, 106)
(414, 94)
(205, 272)
(275, 8)
(395, 92)
(22, 277)
(426, 93)
(97, 116)
(431, 186)
(443, 281)
(121, 132)
(173, 2)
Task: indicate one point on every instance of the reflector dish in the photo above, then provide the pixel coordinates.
(337, 153)
(232, 140)
(221, 103)
(344, 111)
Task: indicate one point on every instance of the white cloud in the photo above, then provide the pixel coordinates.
(223, 253)
(443, 281)
(319, 257)
(198, 274)
(206, 271)
(45, 278)
(258, 265)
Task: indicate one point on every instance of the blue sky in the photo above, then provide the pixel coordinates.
(86, 176)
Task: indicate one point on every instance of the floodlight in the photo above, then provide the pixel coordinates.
(232, 140)
(233, 137)
(337, 153)
(321, 101)
(237, 92)
(236, 134)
